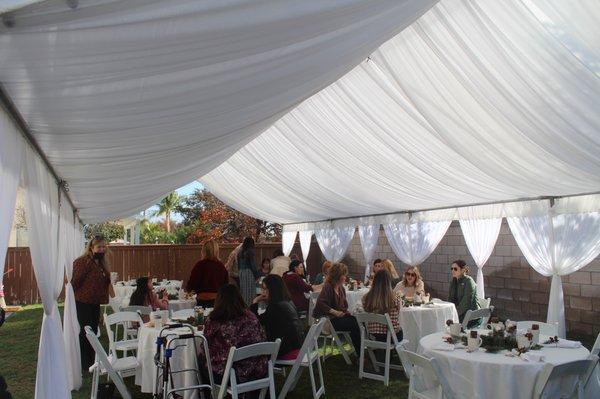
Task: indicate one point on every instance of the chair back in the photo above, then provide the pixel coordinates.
(579, 369)
(596, 348)
(119, 319)
(312, 302)
(483, 314)
(142, 310)
(545, 328)
(105, 363)
(364, 319)
(410, 360)
(310, 341)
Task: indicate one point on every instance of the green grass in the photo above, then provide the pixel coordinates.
(19, 340)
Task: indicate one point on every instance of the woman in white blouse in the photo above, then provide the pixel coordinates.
(411, 284)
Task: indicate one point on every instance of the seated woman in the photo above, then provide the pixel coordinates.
(411, 284)
(280, 319)
(333, 304)
(265, 267)
(389, 266)
(231, 324)
(376, 267)
(463, 290)
(144, 295)
(381, 299)
(208, 275)
(321, 277)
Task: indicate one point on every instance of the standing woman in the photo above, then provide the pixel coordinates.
(91, 282)
(248, 270)
(208, 275)
(463, 290)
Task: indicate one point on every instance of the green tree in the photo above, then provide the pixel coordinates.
(109, 230)
(166, 206)
(154, 233)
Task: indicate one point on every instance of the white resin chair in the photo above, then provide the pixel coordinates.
(131, 330)
(307, 357)
(117, 326)
(483, 314)
(579, 369)
(596, 352)
(115, 368)
(369, 343)
(329, 337)
(230, 386)
(441, 388)
(545, 328)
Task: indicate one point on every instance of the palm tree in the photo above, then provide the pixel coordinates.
(166, 206)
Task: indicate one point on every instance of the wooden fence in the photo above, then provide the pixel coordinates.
(131, 261)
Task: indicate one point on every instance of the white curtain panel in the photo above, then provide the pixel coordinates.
(69, 249)
(480, 226)
(334, 240)
(288, 238)
(369, 234)
(42, 207)
(11, 154)
(556, 244)
(414, 239)
(305, 240)
(475, 102)
(175, 107)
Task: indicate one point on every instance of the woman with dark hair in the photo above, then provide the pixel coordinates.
(332, 303)
(381, 299)
(265, 267)
(463, 290)
(248, 270)
(231, 324)
(280, 319)
(144, 295)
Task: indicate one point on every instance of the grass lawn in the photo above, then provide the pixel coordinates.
(19, 340)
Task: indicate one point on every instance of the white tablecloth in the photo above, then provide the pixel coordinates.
(494, 375)
(179, 304)
(182, 358)
(354, 298)
(419, 321)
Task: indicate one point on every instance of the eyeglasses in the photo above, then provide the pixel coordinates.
(410, 274)
(454, 269)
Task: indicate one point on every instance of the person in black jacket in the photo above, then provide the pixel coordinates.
(280, 318)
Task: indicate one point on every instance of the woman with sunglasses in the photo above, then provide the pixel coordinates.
(411, 284)
(463, 290)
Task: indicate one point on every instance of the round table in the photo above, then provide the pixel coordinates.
(494, 375)
(354, 299)
(183, 358)
(180, 304)
(419, 321)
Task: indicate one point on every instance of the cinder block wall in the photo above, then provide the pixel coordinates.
(517, 291)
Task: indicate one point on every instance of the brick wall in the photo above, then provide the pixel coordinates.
(517, 291)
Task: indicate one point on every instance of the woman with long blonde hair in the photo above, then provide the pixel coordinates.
(208, 275)
(91, 283)
(381, 299)
(411, 284)
(389, 266)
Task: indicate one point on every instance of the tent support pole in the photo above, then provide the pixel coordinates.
(11, 109)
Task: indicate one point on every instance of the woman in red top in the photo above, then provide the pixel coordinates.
(91, 282)
(208, 276)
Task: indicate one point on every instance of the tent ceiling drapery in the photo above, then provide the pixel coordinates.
(475, 102)
(131, 99)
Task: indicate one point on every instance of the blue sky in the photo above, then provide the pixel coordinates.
(182, 191)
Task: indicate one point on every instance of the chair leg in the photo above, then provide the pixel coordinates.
(386, 370)
(373, 360)
(290, 381)
(95, 382)
(263, 393)
(321, 390)
(340, 345)
(272, 393)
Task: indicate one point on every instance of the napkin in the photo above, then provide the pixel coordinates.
(436, 300)
(533, 357)
(565, 343)
(443, 346)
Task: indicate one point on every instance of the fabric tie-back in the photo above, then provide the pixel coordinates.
(556, 242)
(334, 241)
(305, 239)
(288, 238)
(480, 226)
(369, 235)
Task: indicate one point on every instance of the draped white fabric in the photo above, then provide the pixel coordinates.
(334, 240)
(414, 239)
(305, 239)
(70, 246)
(11, 154)
(480, 226)
(369, 234)
(477, 101)
(42, 207)
(557, 244)
(288, 238)
(131, 100)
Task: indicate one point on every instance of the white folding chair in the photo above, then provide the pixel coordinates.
(121, 342)
(329, 336)
(483, 314)
(596, 352)
(115, 368)
(230, 386)
(369, 343)
(545, 328)
(131, 330)
(307, 356)
(579, 369)
(441, 388)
